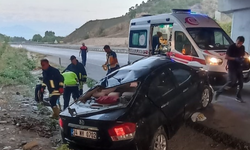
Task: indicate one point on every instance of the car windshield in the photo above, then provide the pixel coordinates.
(210, 38)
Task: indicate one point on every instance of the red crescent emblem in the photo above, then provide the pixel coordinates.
(191, 20)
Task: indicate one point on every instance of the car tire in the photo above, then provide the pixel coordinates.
(206, 96)
(160, 140)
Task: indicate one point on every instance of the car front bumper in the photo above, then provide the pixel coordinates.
(220, 78)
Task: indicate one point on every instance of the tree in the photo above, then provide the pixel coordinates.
(132, 14)
(227, 27)
(37, 38)
(49, 37)
(49, 33)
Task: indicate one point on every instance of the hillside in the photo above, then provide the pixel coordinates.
(99, 28)
(119, 27)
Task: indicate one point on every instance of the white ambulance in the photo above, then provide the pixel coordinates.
(189, 38)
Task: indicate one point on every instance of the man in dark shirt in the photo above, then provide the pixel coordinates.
(79, 70)
(235, 56)
(156, 42)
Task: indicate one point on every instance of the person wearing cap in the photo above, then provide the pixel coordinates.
(83, 53)
(79, 70)
(70, 87)
(112, 61)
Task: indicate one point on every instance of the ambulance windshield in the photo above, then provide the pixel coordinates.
(210, 38)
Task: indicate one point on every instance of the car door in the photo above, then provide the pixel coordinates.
(187, 85)
(165, 95)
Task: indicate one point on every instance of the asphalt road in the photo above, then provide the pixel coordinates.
(95, 60)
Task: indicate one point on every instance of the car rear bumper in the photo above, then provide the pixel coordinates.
(92, 145)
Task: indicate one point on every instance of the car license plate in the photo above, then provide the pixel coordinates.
(84, 133)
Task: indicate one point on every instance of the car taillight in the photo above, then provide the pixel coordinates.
(60, 122)
(123, 131)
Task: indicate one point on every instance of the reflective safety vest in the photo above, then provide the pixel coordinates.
(112, 59)
(70, 79)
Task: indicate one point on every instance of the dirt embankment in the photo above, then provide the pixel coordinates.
(23, 123)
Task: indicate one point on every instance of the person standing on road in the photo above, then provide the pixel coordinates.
(54, 82)
(83, 54)
(235, 56)
(70, 87)
(79, 70)
(112, 61)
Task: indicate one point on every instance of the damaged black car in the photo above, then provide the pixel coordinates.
(140, 106)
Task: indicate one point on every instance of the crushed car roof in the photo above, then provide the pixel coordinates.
(135, 72)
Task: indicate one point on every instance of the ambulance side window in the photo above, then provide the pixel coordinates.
(183, 45)
(138, 39)
(219, 38)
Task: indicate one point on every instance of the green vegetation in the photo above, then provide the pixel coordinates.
(37, 38)
(17, 39)
(49, 37)
(2, 37)
(15, 66)
(160, 6)
(90, 82)
(63, 147)
(226, 27)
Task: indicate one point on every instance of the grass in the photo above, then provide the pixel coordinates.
(63, 147)
(15, 66)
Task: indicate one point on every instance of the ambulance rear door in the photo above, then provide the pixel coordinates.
(138, 42)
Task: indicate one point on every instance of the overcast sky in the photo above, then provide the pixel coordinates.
(61, 15)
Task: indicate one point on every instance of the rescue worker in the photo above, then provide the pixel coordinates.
(70, 87)
(83, 54)
(235, 56)
(156, 42)
(112, 61)
(79, 70)
(53, 80)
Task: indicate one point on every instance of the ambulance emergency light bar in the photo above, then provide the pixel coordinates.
(176, 11)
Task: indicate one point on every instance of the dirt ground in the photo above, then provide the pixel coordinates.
(22, 121)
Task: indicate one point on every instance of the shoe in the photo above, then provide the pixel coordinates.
(56, 113)
(215, 96)
(239, 100)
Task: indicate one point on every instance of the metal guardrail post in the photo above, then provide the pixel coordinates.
(60, 62)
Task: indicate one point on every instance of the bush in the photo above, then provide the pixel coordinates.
(15, 66)
(90, 82)
(227, 27)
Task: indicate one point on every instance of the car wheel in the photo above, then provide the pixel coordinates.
(159, 141)
(206, 97)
